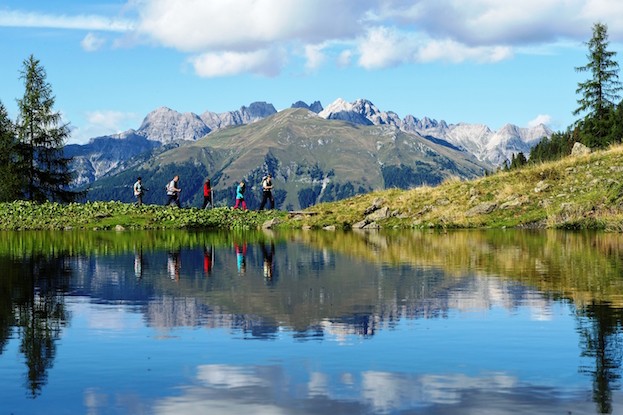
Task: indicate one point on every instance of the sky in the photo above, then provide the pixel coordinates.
(492, 62)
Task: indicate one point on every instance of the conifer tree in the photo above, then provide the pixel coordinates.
(600, 93)
(10, 183)
(41, 135)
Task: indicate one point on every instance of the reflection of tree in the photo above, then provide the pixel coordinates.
(38, 311)
(600, 331)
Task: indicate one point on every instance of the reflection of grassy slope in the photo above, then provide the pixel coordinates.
(573, 193)
(52, 243)
(583, 267)
(301, 143)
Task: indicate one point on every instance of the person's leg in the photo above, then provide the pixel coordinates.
(272, 201)
(237, 203)
(263, 201)
(244, 205)
(177, 201)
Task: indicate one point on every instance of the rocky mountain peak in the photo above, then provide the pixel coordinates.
(315, 106)
(166, 125)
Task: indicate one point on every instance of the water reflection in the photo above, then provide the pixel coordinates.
(319, 287)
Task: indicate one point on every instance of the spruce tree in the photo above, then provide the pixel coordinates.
(41, 136)
(10, 184)
(600, 93)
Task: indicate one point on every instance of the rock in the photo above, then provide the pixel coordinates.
(376, 205)
(482, 209)
(511, 204)
(119, 228)
(269, 224)
(329, 228)
(382, 213)
(580, 149)
(541, 186)
(360, 225)
(372, 225)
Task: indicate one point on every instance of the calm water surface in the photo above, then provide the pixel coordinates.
(500, 322)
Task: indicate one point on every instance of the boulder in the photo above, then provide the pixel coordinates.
(382, 213)
(269, 224)
(482, 209)
(580, 149)
(376, 205)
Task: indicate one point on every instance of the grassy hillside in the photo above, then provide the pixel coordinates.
(584, 192)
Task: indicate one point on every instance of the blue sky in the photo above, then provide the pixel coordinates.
(110, 62)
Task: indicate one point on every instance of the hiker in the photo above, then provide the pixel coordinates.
(207, 194)
(173, 192)
(267, 194)
(139, 191)
(240, 196)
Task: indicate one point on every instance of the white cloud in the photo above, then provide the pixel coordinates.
(345, 58)
(242, 25)
(385, 47)
(238, 36)
(540, 119)
(451, 51)
(101, 123)
(92, 42)
(315, 56)
(494, 22)
(262, 62)
(13, 18)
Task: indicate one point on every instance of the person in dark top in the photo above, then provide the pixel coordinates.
(267, 194)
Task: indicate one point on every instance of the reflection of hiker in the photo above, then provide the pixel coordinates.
(207, 194)
(174, 265)
(139, 191)
(268, 260)
(267, 194)
(240, 196)
(208, 260)
(138, 264)
(241, 262)
(173, 192)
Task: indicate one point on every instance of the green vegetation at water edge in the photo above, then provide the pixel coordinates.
(116, 215)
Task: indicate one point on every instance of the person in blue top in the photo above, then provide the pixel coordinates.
(240, 196)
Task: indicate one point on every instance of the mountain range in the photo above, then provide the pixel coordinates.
(356, 148)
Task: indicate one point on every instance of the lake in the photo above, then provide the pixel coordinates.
(175, 322)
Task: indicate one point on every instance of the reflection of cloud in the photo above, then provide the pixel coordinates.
(317, 384)
(270, 390)
(105, 318)
(228, 376)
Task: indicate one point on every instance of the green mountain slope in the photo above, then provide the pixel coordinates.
(312, 160)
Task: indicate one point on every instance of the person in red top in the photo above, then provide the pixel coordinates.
(207, 194)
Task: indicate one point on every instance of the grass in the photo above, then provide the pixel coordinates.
(23, 215)
(584, 192)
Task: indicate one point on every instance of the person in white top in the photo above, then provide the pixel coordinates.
(173, 192)
(139, 191)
